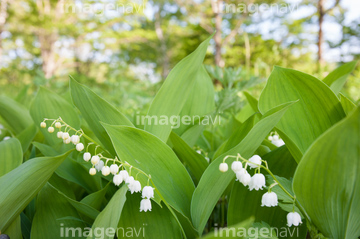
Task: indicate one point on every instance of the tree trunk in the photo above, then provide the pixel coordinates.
(216, 7)
(320, 33)
(3, 17)
(163, 47)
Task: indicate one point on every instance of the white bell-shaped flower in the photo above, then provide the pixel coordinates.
(87, 156)
(95, 159)
(51, 129)
(236, 166)
(129, 180)
(293, 218)
(269, 199)
(278, 142)
(145, 205)
(148, 192)
(245, 178)
(114, 168)
(255, 159)
(223, 167)
(59, 134)
(117, 179)
(135, 186)
(105, 170)
(99, 165)
(75, 139)
(124, 174)
(43, 125)
(58, 125)
(67, 141)
(80, 147)
(92, 171)
(257, 182)
(65, 135)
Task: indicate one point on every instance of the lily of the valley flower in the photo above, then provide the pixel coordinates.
(75, 139)
(255, 161)
(145, 205)
(114, 168)
(65, 136)
(95, 159)
(257, 182)
(92, 171)
(236, 166)
(223, 167)
(51, 129)
(134, 186)
(124, 174)
(244, 177)
(105, 170)
(148, 192)
(87, 156)
(99, 165)
(59, 134)
(269, 199)
(117, 179)
(58, 125)
(293, 218)
(67, 141)
(80, 147)
(43, 125)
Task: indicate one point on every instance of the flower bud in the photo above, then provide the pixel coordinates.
(43, 125)
(105, 170)
(92, 171)
(236, 166)
(51, 129)
(58, 125)
(80, 147)
(223, 167)
(75, 139)
(87, 156)
(255, 161)
(59, 134)
(65, 135)
(95, 159)
(67, 141)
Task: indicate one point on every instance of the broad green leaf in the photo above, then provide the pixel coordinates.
(200, 102)
(50, 208)
(240, 230)
(148, 153)
(195, 162)
(20, 186)
(159, 223)
(213, 182)
(337, 78)
(15, 114)
(327, 180)
(11, 155)
(95, 199)
(26, 136)
(175, 91)
(347, 104)
(252, 101)
(11, 158)
(49, 105)
(95, 110)
(110, 216)
(318, 107)
(191, 135)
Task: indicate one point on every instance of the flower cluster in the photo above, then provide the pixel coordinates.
(275, 139)
(258, 182)
(111, 166)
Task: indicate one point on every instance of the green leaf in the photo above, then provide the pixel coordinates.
(110, 216)
(337, 78)
(175, 91)
(200, 101)
(347, 104)
(49, 105)
(252, 101)
(26, 136)
(213, 182)
(94, 109)
(20, 186)
(50, 207)
(318, 107)
(239, 230)
(191, 159)
(159, 223)
(15, 114)
(11, 155)
(327, 180)
(11, 158)
(148, 153)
